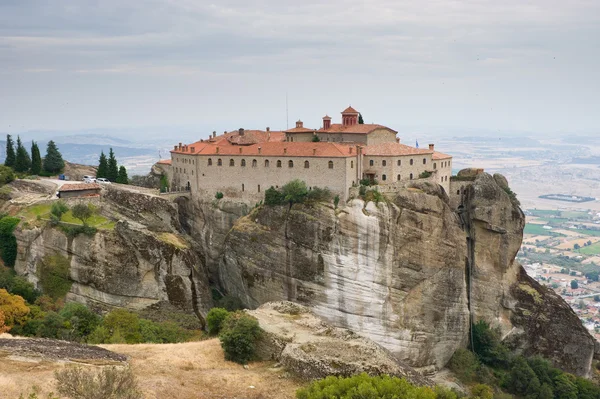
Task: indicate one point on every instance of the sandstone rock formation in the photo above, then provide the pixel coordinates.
(312, 349)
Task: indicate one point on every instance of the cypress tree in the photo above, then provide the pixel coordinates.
(10, 152)
(22, 161)
(102, 166)
(36, 159)
(122, 177)
(112, 172)
(360, 119)
(53, 162)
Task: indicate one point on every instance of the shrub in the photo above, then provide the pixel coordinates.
(214, 320)
(13, 308)
(374, 195)
(53, 273)
(521, 380)
(58, 209)
(108, 383)
(25, 289)
(123, 323)
(238, 337)
(362, 190)
(81, 321)
(219, 195)
(294, 191)
(162, 333)
(319, 194)
(273, 197)
(366, 387)
(82, 212)
(8, 242)
(100, 335)
(52, 326)
(7, 175)
(336, 201)
(482, 391)
(230, 303)
(464, 364)
(487, 345)
(425, 175)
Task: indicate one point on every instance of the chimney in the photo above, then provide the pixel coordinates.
(241, 131)
(299, 123)
(240, 150)
(179, 146)
(431, 147)
(259, 149)
(193, 149)
(349, 150)
(214, 134)
(285, 150)
(269, 136)
(314, 151)
(174, 148)
(268, 129)
(326, 122)
(398, 140)
(217, 150)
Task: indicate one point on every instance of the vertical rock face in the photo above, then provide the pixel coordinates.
(408, 273)
(129, 267)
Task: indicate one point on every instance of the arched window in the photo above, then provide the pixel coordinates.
(219, 162)
(352, 164)
(254, 163)
(243, 163)
(411, 176)
(434, 165)
(411, 161)
(398, 177)
(371, 162)
(306, 165)
(330, 164)
(279, 163)
(424, 161)
(457, 192)
(266, 163)
(290, 164)
(209, 161)
(259, 188)
(399, 162)
(231, 162)
(383, 177)
(242, 186)
(383, 163)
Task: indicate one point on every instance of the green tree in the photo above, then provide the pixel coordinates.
(294, 191)
(125, 324)
(10, 152)
(594, 276)
(8, 241)
(59, 208)
(238, 337)
(102, 166)
(215, 319)
(315, 138)
(36, 159)
(80, 320)
(360, 119)
(53, 162)
(576, 246)
(521, 379)
(122, 176)
(273, 196)
(23, 161)
(487, 345)
(6, 175)
(82, 212)
(564, 387)
(482, 391)
(112, 171)
(574, 284)
(164, 184)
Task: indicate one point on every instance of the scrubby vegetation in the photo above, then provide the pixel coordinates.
(294, 192)
(238, 335)
(215, 319)
(494, 365)
(425, 175)
(364, 386)
(107, 383)
(8, 241)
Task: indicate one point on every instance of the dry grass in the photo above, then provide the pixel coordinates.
(190, 370)
(174, 240)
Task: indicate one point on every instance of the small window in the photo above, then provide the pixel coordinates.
(209, 161)
(219, 162)
(398, 178)
(399, 162)
(259, 188)
(242, 186)
(290, 164)
(457, 192)
(279, 164)
(266, 163)
(434, 165)
(411, 162)
(446, 178)
(306, 165)
(330, 164)
(383, 163)
(411, 176)
(383, 177)
(192, 173)
(243, 163)
(424, 161)
(231, 162)
(371, 162)
(352, 164)
(254, 163)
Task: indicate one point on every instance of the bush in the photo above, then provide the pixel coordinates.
(238, 337)
(82, 212)
(53, 272)
(120, 322)
(7, 175)
(482, 391)
(108, 383)
(487, 345)
(318, 194)
(219, 195)
(230, 303)
(13, 309)
(374, 195)
(464, 364)
(362, 190)
(336, 201)
(425, 175)
(364, 386)
(59, 208)
(8, 242)
(81, 321)
(273, 197)
(214, 320)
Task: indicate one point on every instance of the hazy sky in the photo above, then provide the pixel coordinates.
(510, 64)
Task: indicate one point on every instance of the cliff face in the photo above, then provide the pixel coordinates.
(129, 267)
(407, 273)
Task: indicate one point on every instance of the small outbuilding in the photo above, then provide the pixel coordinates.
(79, 190)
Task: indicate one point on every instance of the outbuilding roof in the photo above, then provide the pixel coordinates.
(391, 149)
(79, 187)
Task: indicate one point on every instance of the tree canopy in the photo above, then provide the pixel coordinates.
(10, 152)
(22, 161)
(360, 119)
(102, 166)
(122, 176)
(53, 162)
(36, 159)
(82, 212)
(112, 171)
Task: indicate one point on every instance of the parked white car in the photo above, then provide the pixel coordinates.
(89, 179)
(102, 180)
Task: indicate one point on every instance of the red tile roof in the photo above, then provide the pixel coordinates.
(327, 117)
(391, 149)
(283, 149)
(358, 128)
(440, 155)
(300, 130)
(164, 162)
(350, 110)
(249, 137)
(80, 187)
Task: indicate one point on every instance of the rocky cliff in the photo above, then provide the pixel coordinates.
(408, 273)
